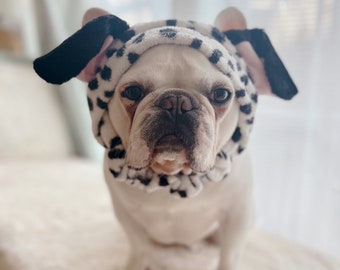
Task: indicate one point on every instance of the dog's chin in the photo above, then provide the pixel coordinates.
(170, 163)
(170, 157)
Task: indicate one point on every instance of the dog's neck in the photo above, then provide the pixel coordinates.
(180, 185)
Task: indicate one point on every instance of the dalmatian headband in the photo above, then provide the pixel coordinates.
(206, 39)
(130, 44)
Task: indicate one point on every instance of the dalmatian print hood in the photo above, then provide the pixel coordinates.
(129, 46)
(215, 46)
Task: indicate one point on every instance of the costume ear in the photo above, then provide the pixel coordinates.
(75, 54)
(266, 68)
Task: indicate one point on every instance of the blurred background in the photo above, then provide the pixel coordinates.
(295, 145)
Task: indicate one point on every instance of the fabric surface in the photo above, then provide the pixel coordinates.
(57, 215)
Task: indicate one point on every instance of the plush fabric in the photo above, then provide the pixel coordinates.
(57, 215)
(134, 42)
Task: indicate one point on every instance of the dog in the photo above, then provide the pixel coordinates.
(173, 103)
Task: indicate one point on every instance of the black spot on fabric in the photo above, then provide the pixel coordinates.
(120, 52)
(144, 181)
(231, 65)
(163, 181)
(237, 135)
(115, 142)
(90, 103)
(245, 79)
(254, 97)
(240, 93)
(93, 84)
(222, 155)
(171, 22)
(238, 55)
(100, 124)
(215, 56)
(139, 39)
(240, 149)
(218, 35)
(116, 154)
(101, 104)
(109, 94)
(250, 121)
(106, 73)
(128, 35)
(196, 43)
(110, 52)
(238, 67)
(168, 33)
(133, 57)
(182, 193)
(98, 69)
(114, 173)
(246, 109)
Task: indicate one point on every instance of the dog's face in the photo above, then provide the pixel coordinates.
(176, 110)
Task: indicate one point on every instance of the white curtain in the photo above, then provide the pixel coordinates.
(295, 145)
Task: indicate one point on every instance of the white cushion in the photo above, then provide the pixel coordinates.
(57, 215)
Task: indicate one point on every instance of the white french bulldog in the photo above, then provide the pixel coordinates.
(173, 103)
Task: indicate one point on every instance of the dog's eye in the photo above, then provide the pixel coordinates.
(221, 95)
(133, 92)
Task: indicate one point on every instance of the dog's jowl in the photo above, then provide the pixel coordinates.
(173, 103)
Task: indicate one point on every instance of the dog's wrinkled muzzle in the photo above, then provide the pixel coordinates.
(168, 134)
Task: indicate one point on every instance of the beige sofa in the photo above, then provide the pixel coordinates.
(55, 210)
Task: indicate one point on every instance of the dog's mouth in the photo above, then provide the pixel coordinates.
(170, 156)
(171, 143)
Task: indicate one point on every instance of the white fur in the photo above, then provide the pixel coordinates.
(170, 233)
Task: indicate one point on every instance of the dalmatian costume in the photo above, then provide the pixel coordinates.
(130, 44)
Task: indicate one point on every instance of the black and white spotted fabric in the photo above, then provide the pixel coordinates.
(218, 50)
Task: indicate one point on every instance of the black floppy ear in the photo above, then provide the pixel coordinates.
(71, 57)
(280, 82)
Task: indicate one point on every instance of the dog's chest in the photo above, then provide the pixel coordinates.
(171, 220)
(178, 224)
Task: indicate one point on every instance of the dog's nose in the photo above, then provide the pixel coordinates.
(176, 104)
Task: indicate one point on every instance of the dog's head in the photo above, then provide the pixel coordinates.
(179, 110)
(171, 95)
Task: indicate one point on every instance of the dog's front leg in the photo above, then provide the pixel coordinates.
(233, 233)
(139, 242)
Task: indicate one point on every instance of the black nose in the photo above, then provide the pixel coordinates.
(176, 104)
